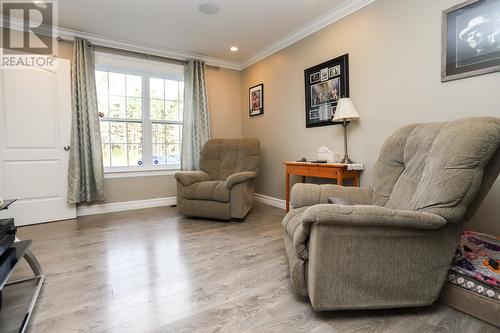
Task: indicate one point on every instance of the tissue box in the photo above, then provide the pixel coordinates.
(324, 154)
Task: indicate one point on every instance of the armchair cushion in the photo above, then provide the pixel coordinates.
(239, 177)
(189, 177)
(206, 190)
(311, 194)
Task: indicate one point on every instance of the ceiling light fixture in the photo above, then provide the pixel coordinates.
(233, 48)
(208, 8)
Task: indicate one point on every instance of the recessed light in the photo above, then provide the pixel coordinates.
(208, 8)
(233, 48)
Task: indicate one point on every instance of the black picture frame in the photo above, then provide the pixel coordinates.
(325, 84)
(256, 100)
(470, 39)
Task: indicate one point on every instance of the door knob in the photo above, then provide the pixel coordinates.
(67, 148)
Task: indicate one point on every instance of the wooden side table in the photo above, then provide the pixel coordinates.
(336, 171)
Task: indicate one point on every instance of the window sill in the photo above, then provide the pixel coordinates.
(144, 172)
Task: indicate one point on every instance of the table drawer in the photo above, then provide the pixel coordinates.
(312, 171)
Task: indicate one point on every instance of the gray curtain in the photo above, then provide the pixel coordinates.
(196, 128)
(85, 171)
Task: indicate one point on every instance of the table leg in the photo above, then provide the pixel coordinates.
(287, 191)
(39, 277)
(340, 178)
(355, 181)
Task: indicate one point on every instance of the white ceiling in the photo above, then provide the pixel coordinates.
(254, 26)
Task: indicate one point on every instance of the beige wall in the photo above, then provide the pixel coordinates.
(224, 104)
(224, 98)
(65, 49)
(394, 51)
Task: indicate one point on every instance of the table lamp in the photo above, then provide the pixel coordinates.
(344, 113)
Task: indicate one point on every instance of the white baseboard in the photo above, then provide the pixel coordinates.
(271, 201)
(124, 206)
(85, 210)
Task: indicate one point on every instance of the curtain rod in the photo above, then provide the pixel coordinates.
(135, 53)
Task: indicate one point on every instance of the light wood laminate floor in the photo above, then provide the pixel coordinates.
(155, 271)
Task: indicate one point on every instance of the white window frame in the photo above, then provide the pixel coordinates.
(146, 69)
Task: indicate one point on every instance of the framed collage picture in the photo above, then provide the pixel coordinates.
(256, 100)
(325, 84)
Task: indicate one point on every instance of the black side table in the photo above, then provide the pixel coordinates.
(20, 250)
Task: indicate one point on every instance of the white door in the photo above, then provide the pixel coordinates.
(35, 123)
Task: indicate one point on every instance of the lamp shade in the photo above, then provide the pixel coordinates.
(345, 110)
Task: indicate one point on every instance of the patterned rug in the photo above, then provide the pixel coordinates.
(476, 265)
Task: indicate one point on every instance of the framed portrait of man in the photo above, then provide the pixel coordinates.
(471, 39)
(256, 100)
(325, 84)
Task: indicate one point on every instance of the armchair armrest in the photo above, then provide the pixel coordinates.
(363, 215)
(311, 194)
(239, 177)
(190, 177)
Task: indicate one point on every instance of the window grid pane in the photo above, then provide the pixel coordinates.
(135, 155)
(117, 84)
(134, 133)
(101, 79)
(159, 154)
(172, 110)
(134, 85)
(158, 133)
(106, 156)
(134, 108)
(156, 88)
(157, 109)
(119, 155)
(171, 90)
(103, 105)
(174, 154)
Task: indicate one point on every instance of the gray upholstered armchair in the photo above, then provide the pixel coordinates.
(224, 187)
(393, 246)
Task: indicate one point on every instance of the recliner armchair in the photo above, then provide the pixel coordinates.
(394, 245)
(224, 187)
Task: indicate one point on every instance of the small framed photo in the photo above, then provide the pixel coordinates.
(314, 77)
(314, 114)
(256, 100)
(334, 71)
(324, 74)
(325, 84)
(471, 39)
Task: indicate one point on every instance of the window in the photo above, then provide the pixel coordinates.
(140, 118)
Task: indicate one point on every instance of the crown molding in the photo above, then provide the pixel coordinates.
(144, 48)
(337, 13)
(69, 34)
